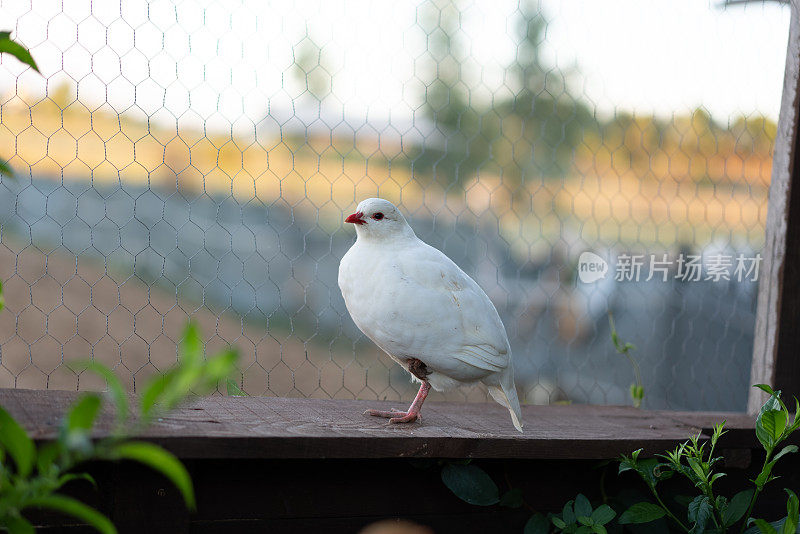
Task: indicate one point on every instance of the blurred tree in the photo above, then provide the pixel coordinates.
(552, 120)
(316, 83)
(63, 95)
(754, 133)
(447, 98)
(309, 69)
(531, 134)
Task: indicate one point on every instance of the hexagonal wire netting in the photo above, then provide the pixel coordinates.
(196, 159)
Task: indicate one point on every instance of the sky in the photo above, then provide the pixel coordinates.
(227, 64)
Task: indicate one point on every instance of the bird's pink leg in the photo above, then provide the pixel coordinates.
(396, 416)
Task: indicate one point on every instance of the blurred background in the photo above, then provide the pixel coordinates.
(196, 159)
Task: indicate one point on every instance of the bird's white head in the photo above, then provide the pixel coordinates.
(376, 218)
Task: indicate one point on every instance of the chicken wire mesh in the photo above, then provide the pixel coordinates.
(181, 160)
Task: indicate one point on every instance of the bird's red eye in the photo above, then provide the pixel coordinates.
(378, 216)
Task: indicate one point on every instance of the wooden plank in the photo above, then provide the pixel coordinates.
(267, 427)
(776, 348)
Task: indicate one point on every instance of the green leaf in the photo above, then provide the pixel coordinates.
(599, 529)
(637, 393)
(471, 484)
(16, 525)
(648, 470)
(78, 423)
(792, 514)
(719, 431)
(786, 450)
(715, 476)
(154, 391)
(219, 367)
(772, 403)
(233, 389)
(626, 464)
(641, 512)
(770, 426)
(765, 434)
(160, 460)
(721, 505)
(46, 456)
(796, 423)
(777, 525)
(83, 413)
(115, 388)
(558, 522)
(699, 513)
(737, 507)
(764, 527)
(567, 513)
(583, 520)
(537, 524)
(6, 169)
(765, 388)
(69, 477)
(764, 477)
(76, 509)
(16, 442)
(583, 508)
(512, 498)
(696, 467)
(603, 514)
(191, 349)
(9, 46)
(794, 426)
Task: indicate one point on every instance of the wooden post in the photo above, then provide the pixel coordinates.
(776, 349)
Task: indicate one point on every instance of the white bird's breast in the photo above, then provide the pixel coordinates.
(413, 302)
(385, 305)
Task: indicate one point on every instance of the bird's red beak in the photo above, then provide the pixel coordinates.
(356, 218)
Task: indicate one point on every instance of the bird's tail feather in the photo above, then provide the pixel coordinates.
(506, 395)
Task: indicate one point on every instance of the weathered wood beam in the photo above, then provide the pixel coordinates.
(776, 348)
(274, 428)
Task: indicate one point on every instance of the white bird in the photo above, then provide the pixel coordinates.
(421, 309)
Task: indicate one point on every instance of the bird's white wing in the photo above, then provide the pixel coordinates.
(470, 328)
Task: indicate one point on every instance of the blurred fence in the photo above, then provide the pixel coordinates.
(183, 161)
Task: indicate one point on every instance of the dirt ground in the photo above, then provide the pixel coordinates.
(60, 309)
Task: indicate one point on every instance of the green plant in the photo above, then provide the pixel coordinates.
(637, 388)
(10, 46)
(578, 517)
(693, 460)
(30, 477)
(696, 462)
(473, 485)
(470, 483)
(233, 389)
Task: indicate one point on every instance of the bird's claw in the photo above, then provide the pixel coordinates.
(409, 417)
(395, 416)
(382, 413)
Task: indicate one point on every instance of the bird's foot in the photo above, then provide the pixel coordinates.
(380, 413)
(396, 416)
(405, 417)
